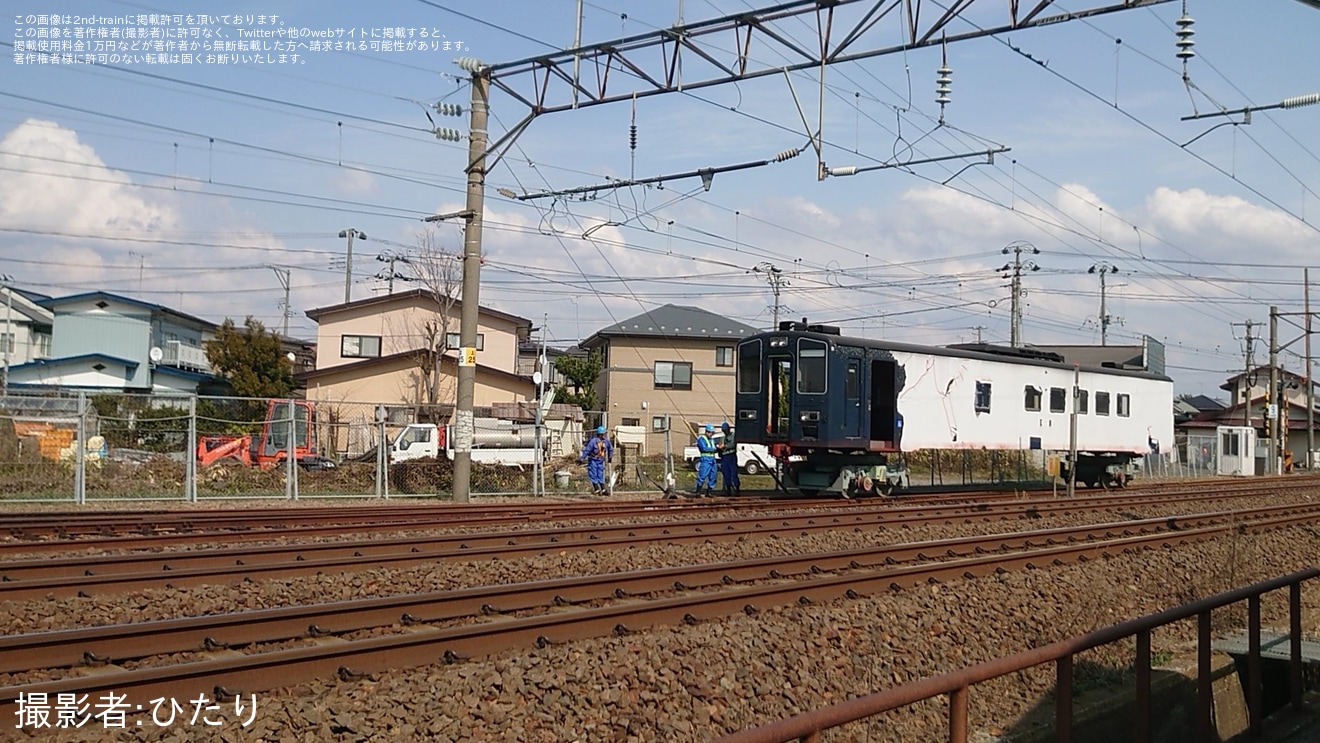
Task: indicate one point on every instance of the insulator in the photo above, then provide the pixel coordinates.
(470, 64)
(449, 109)
(942, 89)
(942, 99)
(788, 154)
(448, 135)
(1301, 100)
(1185, 34)
(632, 136)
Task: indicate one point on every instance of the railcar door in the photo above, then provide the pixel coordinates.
(852, 399)
(780, 384)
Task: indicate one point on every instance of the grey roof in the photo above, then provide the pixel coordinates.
(676, 321)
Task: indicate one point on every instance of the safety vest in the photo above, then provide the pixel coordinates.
(705, 446)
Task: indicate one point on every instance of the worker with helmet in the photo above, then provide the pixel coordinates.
(728, 451)
(596, 453)
(705, 462)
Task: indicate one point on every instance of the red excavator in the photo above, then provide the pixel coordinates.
(271, 448)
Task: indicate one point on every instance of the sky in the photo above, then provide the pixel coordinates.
(197, 185)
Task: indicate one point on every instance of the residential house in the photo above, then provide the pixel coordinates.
(25, 327)
(1249, 394)
(376, 351)
(529, 353)
(106, 342)
(672, 365)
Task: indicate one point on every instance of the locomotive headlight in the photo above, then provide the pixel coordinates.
(779, 343)
(809, 415)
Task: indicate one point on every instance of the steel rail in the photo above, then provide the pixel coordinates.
(36, 579)
(236, 673)
(114, 643)
(940, 509)
(54, 577)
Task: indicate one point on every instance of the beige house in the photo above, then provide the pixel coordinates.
(375, 351)
(672, 364)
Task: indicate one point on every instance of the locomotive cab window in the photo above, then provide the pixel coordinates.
(749, 367)
(1031, 397)
(982, 401)
(1124, 404)
(1058, 400)
(811, 367)
(1101, 403)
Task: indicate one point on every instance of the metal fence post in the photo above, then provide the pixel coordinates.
(190, 456)
(290, 448)
(80, 453)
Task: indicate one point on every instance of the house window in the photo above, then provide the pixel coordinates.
(724, 356)
(6, 343)
(359, 346)
(982, 402)
(631, 422)
(1058, 400)
(658, 423)
(1124, 405)
(1082, 402)
(452, 342)
(1101, 403)
(1031, 397)
(673, 375)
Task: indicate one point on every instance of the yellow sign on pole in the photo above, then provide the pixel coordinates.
(468, 357)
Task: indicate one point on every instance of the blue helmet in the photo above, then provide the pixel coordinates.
(725, 425)
(600, 429)
(710, 428)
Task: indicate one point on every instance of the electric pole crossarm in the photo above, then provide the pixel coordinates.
(533, 81)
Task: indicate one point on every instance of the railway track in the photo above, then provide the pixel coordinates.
(35, 578)
(706, 592)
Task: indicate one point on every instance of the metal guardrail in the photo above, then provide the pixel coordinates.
(807, 727)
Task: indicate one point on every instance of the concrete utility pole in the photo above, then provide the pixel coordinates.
(5, 280)
(283, 275)
(1272, 408)
(350, 233)
(1103, 268)
(1310, 385)
(467, 332)
(775, 278)
(1246, 374)
(1013, 271)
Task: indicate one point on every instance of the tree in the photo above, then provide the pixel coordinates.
(439, 274)
(581, 372)
(251, 359)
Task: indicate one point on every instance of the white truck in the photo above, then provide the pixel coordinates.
(494, 442)
(752, 458)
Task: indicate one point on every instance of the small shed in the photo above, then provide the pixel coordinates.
(1237, 451)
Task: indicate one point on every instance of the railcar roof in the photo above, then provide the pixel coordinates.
(961, 353)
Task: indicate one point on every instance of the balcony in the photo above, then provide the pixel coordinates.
(177, 353)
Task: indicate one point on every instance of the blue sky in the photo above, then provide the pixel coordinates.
(180, 184)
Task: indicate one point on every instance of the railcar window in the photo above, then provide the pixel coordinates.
(749, 367)
(1101, 403)
(1082, 401)
(1058, 400)
(811, 367)
(852, 387)
(982, 402)
(1124, 405)
(1031, 397)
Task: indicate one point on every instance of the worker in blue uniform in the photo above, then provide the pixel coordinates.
(706, 462)
(728, 451)
(595, 454)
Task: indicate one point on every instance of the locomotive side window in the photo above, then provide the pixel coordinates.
(982, 401)
(1058, 400)
(1101, 403)
(811, 367)
(749, 367)
(1124, 405)
(852, 383)
(1082, 396)
(1031, 397)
